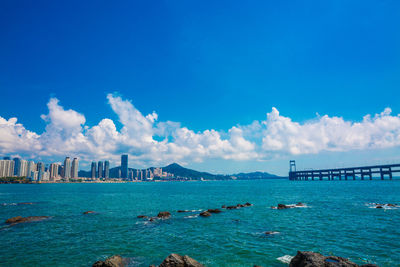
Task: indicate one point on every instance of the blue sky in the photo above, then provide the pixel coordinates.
(205, 65)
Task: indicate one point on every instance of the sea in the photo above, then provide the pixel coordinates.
(339, 219)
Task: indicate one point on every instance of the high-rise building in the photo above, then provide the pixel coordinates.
(54, 171)
(67, 168)
(23, 168)
(6, 168)
(40, 166)
(74, 168)
(106, 169)
(17, 162)
(93, 170)
(124, 166)
(31, 168)
(100, 169)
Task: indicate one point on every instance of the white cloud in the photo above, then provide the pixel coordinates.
(150, 142)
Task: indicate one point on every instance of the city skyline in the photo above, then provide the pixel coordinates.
(222, 92)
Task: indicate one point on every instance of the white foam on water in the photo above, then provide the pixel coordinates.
(8, 204)
(191, 216)
(285, 259)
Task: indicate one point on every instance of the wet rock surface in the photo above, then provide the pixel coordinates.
(113, 261)
(164, 214)
(313, 259)
(176, 260)
(89, 212)
(205, 214)
(20, 219)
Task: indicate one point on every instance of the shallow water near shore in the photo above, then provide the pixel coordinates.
(338, 221)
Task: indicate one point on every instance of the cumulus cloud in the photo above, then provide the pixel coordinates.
(152, 142)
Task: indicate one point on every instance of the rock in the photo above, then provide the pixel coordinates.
(25, 203)
(164, 214)
(223, 206)
(231, 207)
(282, 206)
(113, 261)
(180, 211)
(300, 204)
(248, 204)
(257, 266)
(312, 259)
(240, 205)
(89, 212)
(20, 219)
(271, 233)
(141, 216)
(176, 260)
(151, 219)
(214, 210)
(391, 205)
(379, 207)
(205, 214)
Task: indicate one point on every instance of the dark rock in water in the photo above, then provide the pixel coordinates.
(181, 211)
(231, 207)
(379, 207)
(240, 205)
(113, 261)
(282, 206)
(141, 216)
(223, 206)
(214, 210)
(257, 266)
(175, 260)
(392, 205)
(164, 214)
(151, 219)
(248, 204)
(312, 259)
(271, 233)
(25, 203)
(89, 212)
(300, 204)
(20, 219)
(205, 214)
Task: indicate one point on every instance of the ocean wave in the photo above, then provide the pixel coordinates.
(191, 216)
(8, 204)
(285, 259)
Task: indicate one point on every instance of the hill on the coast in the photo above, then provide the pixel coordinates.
(182, 172)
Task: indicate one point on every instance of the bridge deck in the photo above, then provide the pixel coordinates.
(353, 172)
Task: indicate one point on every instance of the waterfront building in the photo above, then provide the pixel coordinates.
(17, 162)
(124, 166)
(7, 168)
(74, 168)
(54, 171)
(34, 175)
(40, 166)
(100, 169)
(106, 169)
(31, 168)
(23, 168)
(157, 172)
(93, 170)
(67, 168)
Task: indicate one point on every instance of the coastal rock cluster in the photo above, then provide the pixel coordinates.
(385, 206)
(173, 260)
(113, 261)
(313, 259)
(204, 213)
(20, 219)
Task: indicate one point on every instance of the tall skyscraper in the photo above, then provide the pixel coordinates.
(67, 168)
(74, 168)
(54, 171)
(93, 170)
(6, 168)
(100, 170)
(17, 162)
(31, 168)
(124, 166)
(23, 168)
(40, 166)
(106, 169)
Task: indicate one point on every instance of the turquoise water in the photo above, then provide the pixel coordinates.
(338, 221)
